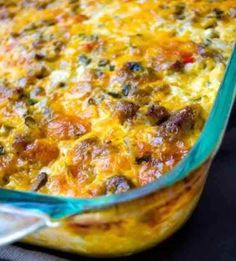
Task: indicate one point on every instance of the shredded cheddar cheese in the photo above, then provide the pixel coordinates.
(99, 97)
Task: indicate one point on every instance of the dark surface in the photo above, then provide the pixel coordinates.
(210, 234)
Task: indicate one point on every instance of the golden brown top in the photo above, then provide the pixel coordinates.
(100, 96)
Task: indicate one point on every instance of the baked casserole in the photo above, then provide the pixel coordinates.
(101, 97)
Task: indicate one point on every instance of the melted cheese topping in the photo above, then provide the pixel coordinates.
(98, 97)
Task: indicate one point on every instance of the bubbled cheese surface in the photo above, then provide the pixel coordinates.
(98, 97)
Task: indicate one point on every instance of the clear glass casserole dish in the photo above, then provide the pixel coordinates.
(125, 223)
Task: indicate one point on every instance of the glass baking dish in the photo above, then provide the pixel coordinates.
(126, 223)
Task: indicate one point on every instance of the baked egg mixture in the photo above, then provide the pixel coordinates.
(98, 97)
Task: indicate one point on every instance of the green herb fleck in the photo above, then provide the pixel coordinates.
(145, 158)
(32, 101)
(61, 84)
(91, 101)
(114, 95)
(30, 122)
(112, 68)
(103, 62)
(2, 150)
(84, 59)
(35, 92)
(126, 89)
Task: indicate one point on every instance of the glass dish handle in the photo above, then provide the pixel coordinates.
(15, 223)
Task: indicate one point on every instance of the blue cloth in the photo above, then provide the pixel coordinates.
(14, 253)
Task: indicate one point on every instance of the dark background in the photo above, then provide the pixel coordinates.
(210, 234)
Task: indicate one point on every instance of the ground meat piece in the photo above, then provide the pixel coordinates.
(134, 67)
(148, 173)
(141, 95)
(180, 122)
(126, 110)
(163, 89)
(40, 181)
(177, 66)
(41, 151)
(65, 127)
(157, 114)
(84, 151)
(117, 185)
(218, 13)
(87, 150)
(134, 73)
(80, 159)
(145, 158)
(20, 143)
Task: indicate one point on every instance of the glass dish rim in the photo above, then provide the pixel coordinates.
(206, 145)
